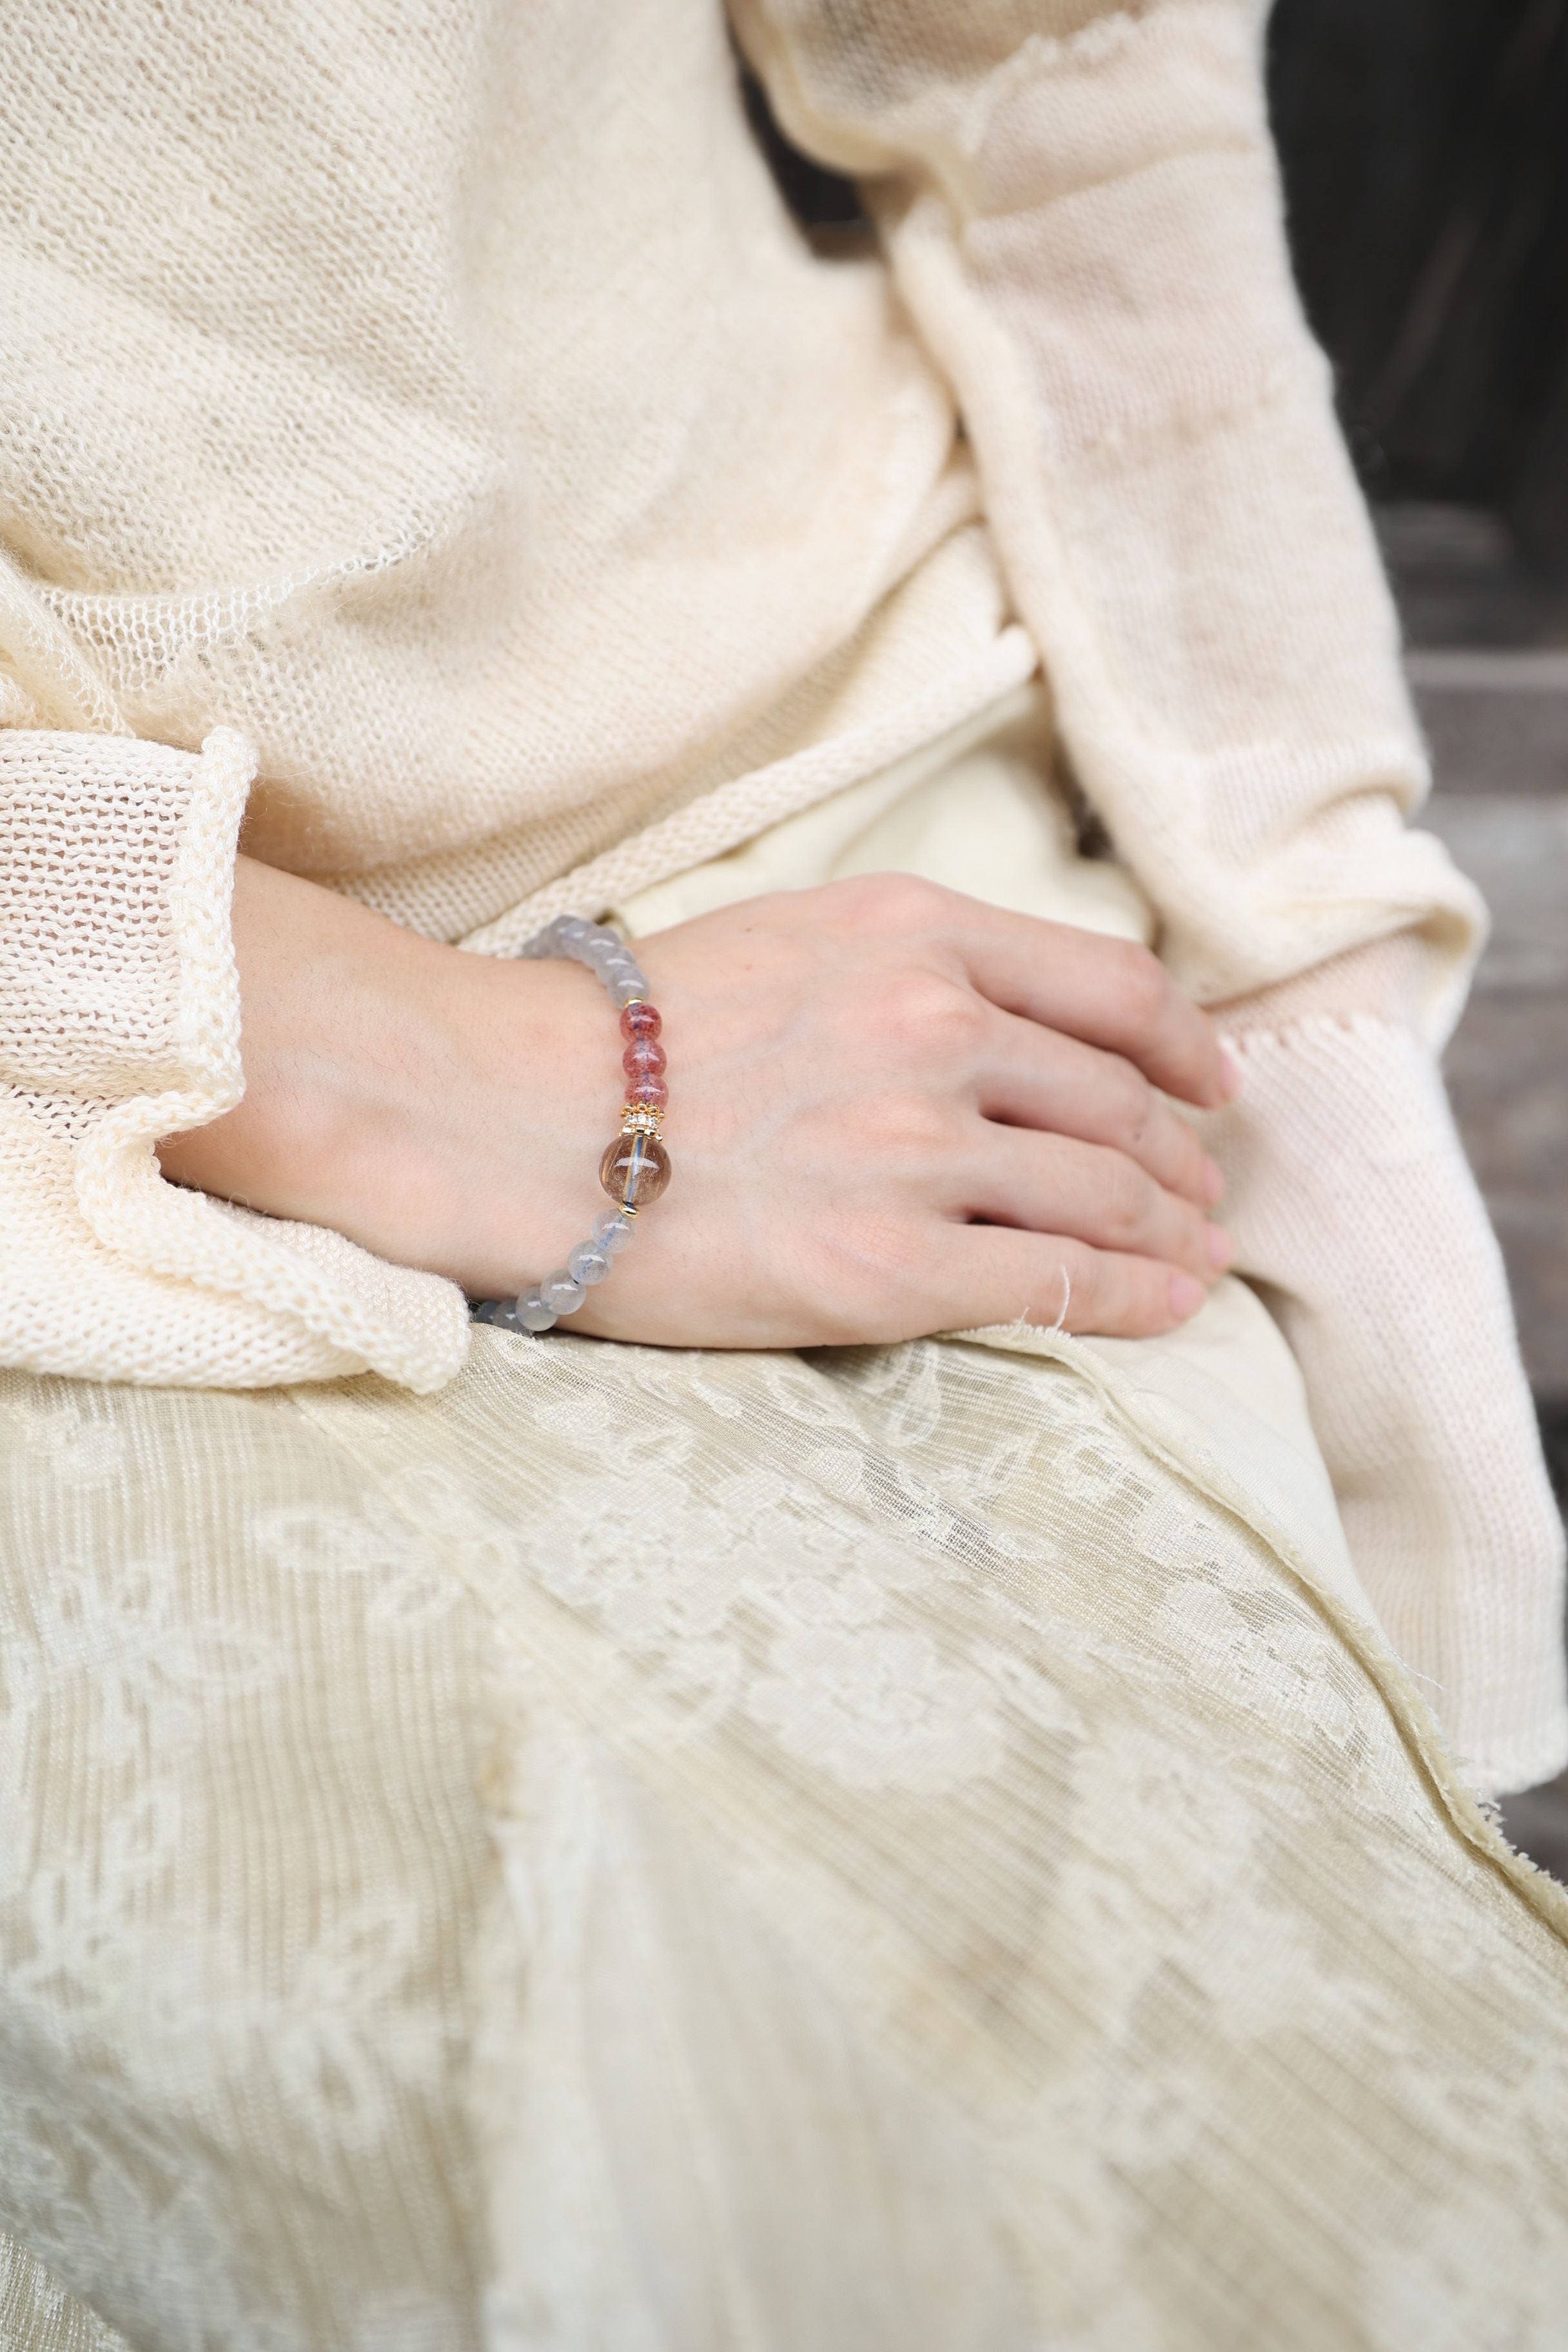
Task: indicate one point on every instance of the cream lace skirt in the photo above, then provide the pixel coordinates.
(853, 1853)
(914, 1849)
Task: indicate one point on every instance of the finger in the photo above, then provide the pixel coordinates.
(1038, 1077)
(1056, 1184)
(1111, 994)
(990, 1275)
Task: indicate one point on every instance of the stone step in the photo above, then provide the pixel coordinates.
(1515, 846)
(1496, 717)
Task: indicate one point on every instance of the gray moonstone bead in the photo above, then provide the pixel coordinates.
(588, 1262)
(532, 1312)
(560, 1292)
(611, 1235)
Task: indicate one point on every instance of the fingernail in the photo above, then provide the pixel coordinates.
(1222, 1249)
(1230, 1073)
(1214, 1182)
(1186, 1295)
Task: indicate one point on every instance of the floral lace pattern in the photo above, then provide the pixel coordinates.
(846, 1852)
(207, 1937)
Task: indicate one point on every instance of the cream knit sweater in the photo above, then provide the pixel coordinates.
(442, 422)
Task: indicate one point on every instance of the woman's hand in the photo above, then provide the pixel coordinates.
(893, 1111)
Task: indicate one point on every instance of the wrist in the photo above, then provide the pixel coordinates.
(435, 1106)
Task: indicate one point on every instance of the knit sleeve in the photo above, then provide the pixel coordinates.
(118, 1025)
(1081, 206)
(1356, 1216)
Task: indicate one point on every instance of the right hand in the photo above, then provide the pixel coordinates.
(893, 1111)
(896, 1111)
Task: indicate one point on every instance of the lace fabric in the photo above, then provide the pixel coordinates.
(676, 1853)
(846, 1852)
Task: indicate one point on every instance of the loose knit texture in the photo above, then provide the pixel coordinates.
(485, 445)
(900, 1849)
(463, 425)
(1354, 1212)
(120, 1010)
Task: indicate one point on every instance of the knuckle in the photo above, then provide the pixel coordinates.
(883, 903)
(1127, 1300)
(1145, 1300)
(1127, 1197)
(922, 1014)
(1186, 1245)
(1142, 986)
(871, 1263)
(1132, 1106)
(872, 1244)
(1078, 1284)
(1187, 1154)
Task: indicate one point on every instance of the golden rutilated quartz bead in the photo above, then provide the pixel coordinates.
(635, 1170)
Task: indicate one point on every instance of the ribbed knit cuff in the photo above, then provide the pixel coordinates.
(1356, 1216)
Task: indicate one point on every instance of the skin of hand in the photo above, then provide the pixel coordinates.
(893, 1111)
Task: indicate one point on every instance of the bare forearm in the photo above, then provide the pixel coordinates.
(894, 1110)
(382, 1071)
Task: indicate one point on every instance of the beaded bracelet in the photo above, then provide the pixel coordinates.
(635, 1167)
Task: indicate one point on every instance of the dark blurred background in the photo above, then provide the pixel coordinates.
(1424, 150)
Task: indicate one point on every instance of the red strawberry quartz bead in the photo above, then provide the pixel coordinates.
(644, 1059)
